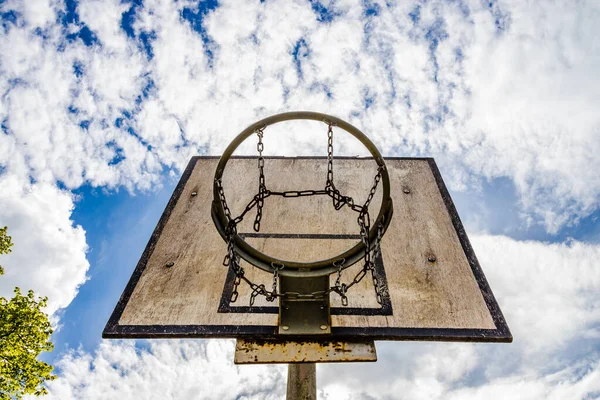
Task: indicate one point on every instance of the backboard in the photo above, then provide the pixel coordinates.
(433, 286)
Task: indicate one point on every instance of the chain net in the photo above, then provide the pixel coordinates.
(232, 259)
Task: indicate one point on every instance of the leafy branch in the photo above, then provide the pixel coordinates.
(24, 333)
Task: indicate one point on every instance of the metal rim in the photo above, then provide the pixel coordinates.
(294, 268)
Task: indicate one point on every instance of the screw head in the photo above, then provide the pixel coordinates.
(323, 327)
(285, 327)
(170, 264)
(406, 190)
(194, 193)
(431, 259)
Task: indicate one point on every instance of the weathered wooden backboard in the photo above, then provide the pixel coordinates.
(434, 287)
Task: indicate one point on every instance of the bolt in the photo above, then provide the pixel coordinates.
(406, 190)
(323, 327)
(194, 193)
(431, 259)
(170, 264)
(285, 327)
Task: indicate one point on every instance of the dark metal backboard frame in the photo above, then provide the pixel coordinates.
(501, 333)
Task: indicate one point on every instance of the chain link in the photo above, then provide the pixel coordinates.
(232, 259)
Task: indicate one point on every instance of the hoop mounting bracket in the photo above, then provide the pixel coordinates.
(301, 312)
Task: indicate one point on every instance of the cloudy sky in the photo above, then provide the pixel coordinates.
(104, 101)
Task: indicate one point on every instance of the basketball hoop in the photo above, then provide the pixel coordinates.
(370, 235)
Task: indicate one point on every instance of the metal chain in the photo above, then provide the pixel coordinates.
(364, 222)
(223, 201)
(273, 294)
(329, 182)
(232, 259)
(340, 288)
(236, 283)
(374, 187)
(337, 198)
(262, 187)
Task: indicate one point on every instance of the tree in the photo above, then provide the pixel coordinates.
(5, 244)
(24, 333)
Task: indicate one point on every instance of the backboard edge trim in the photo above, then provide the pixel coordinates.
(247, 157)
(339, 333)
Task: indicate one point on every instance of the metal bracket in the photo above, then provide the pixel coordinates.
(301, 310)
(250, 351)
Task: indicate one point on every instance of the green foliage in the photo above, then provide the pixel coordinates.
(5, 244)
(24, 333)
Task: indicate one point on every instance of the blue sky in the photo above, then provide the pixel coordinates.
(104, 102)
(119, 226)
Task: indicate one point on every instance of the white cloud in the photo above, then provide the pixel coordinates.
(580, 381)
(166, 370)
(549, 296)
(49, 252)
(45, 102)
(550, 292)
(506, 90)
(37, 13)
(532, 114)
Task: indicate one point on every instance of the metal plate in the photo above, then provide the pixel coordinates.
(433, 285)
(273, 352)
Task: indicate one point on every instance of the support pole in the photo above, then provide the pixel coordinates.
(302, 381)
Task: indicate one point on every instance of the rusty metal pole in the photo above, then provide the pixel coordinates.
(302, 381)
